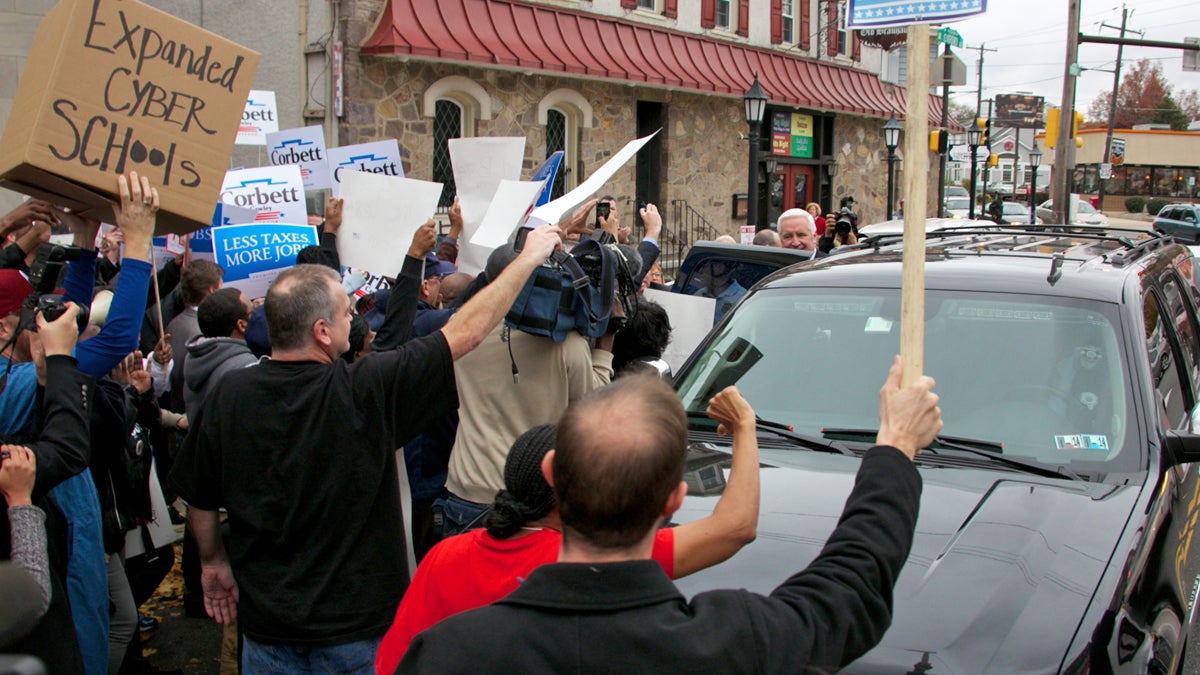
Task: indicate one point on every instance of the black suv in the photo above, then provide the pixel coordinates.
(1060, 502)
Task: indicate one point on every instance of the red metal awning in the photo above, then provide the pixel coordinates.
(553, 40)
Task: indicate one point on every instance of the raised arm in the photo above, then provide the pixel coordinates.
(734, 520)
(467, 328)
(402, 306)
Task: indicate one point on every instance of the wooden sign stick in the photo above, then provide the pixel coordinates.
(916, 178)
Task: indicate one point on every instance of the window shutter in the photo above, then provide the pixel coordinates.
(629, 4)
(776, 21)
(831, 17)
(708, 13)
(805, 24)
(670, 8)
(743, 18)
(856, 48)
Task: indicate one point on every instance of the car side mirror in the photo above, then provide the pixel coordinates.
(1181, 447)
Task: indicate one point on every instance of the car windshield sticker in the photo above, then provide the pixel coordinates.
(1001, 313)
(1082, 442)
(878, 324)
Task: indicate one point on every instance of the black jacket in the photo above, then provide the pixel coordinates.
(629, 617)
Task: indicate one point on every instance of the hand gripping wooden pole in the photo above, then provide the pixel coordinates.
(916, 179)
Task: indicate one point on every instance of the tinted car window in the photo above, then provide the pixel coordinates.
(1044, 376)
(1163, 364)
(1185, 333)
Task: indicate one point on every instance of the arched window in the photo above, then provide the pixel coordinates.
(565, 113)
(559, 136)
(447, 124)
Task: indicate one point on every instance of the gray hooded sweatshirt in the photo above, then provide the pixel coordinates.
(209, 360)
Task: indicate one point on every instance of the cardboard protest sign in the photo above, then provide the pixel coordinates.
(259, 118)
(555, 210)
(112, 86)
(382, 157)
(253, 255)
(509, 206)
(379, 218)
(275, 192)
(691, 319)
(304, 147)
(479, 166)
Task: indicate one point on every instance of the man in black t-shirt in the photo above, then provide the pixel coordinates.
(300, 451)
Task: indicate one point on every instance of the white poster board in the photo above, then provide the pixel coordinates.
(382, 157)
(305, 148)
(555, 210)
(276, 193)
(691, 319)
(259, 118)
(479, 166)
(512, 201)
(253, 255)
(379, 218)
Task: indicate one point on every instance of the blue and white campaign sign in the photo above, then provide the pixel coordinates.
(253, 255)
(228, 214)
(877, 13)
(548, 171)
(259, 118)
(276, 193)
(304, 147)
(382, 157)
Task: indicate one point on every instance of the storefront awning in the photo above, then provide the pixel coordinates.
(560, 41)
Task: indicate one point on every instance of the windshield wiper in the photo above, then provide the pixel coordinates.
(989, 450)
(785, 431)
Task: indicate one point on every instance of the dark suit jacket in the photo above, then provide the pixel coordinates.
(628, 617)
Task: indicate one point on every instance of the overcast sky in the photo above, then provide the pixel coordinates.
(1030, 36)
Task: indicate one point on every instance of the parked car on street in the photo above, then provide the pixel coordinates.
(1181, 221)
(955, 191)
(1062, 498)
(1015, 213)
(1085, 213)
(958, 207)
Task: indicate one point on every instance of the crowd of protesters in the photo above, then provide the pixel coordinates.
(361, 473)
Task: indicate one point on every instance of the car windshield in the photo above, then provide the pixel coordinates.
(958, 203)
(1013, 208)
(1081, 207)
(1042, 376)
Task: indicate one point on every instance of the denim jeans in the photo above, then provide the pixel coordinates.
(458, 515)
(353, 658)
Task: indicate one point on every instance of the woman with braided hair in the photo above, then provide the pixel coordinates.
(522, 531)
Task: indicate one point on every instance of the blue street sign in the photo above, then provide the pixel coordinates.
(876, 13)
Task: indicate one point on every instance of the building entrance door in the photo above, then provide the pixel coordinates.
(799, 185)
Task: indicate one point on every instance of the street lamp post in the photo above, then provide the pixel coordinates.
(756, 104)
(974, 133)
(1035, 158)
(891, 138)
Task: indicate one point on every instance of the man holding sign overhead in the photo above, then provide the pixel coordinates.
(300, 452)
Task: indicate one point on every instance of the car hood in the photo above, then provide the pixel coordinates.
(1002, 567)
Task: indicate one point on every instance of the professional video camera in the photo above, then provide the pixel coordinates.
(45, 274)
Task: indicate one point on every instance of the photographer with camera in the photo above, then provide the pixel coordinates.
(519, 379)
(842, 234)
(58, 442)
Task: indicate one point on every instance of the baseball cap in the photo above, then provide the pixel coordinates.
(14, 288)
(435, 266)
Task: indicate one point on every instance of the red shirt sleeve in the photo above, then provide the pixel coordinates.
(664, 550)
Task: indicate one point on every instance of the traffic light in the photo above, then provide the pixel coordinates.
(984, 138)
(993, 160)
(1075, 124)
(939, 141)
(1079, 141)
(1051, 127)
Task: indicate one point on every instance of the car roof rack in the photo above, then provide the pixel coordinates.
(1116, 245)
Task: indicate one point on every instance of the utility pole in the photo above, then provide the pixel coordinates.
(978, 113)
(1112, 108)
(1063, 166)
(941, 193)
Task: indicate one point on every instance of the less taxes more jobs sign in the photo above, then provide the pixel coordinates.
(112, 86)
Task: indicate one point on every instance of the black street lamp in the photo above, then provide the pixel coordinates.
(891, 138)
(1035, 158)
(974, 134)
(756, 104)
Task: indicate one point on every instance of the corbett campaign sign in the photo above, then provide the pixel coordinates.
(275, 192)
(304, 147)
(253, 255)
(381, 157)
(112, 86)
(259, 118)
